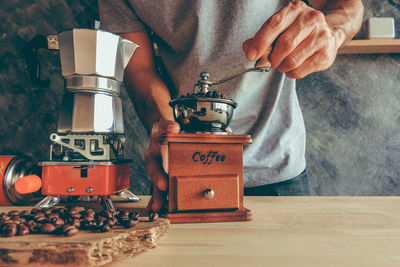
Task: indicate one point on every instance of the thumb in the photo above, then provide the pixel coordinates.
(246, 44)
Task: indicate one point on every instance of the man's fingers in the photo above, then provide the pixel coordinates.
(272, 28)
(156, 173)
(150, 204)
(169, 127)
(162, 127)
(288, 41)
(155, 156)
(246, 44)
(156, 150)
(164, 157)
(300, 54)
(312, 64)
(263, 61)
(157, 200)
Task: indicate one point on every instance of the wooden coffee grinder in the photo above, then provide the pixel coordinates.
(205, 161)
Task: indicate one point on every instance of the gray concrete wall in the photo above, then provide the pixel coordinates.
(351, 110)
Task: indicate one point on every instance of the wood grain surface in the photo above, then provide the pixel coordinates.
(84, 249)
(288, 231)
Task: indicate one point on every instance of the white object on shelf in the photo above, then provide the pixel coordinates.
(380, 28)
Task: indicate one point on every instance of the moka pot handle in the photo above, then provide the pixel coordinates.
(30, 52)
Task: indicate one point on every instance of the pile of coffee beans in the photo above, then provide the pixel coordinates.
(209, 94)
(64, 221)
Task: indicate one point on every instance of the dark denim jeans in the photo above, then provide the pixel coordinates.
(297, 186)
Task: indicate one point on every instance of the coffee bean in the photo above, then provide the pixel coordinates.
(8, 229)
(129, 223)
(38, 214)
(46, 211)
(76, 222)
(87, 224)
(22, 230)
(57, 222)
(114, 213)
(24, 213)
(113, 221)
(61, 210)
(88, 212)
(13, 213)
(123, 213)
(100, 220)
(123, 218)
(153, 216)
(88, 218)
(33, 227)
(74, 210)
(69, 230)
(35, 210)
(105, 228)
(47, 228)
(108, 214)
(52, 215)
(76, 215)
(134, 215)
(39, 217)
(15, 219)
(72, 232)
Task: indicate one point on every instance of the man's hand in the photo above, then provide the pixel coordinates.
(304, 40)
(156, 157)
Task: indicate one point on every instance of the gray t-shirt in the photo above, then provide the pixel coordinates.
(207, 35)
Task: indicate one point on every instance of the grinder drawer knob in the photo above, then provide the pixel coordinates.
(208, 194)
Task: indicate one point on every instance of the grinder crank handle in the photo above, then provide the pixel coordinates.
(263, 61)
(262, 64)
(30, 52)
(261, 69)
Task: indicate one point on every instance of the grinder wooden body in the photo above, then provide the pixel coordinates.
(205, 177)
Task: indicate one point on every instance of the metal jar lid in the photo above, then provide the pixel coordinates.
(19, 166)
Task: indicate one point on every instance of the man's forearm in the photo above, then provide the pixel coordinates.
(146, 89)
(344, 17)
(150, 96)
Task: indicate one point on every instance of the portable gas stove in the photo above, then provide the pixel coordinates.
(205, 161)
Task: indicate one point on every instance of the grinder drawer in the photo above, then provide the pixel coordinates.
(207, 192)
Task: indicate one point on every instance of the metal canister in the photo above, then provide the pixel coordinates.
(12, 168)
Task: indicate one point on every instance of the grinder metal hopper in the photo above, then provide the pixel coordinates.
(205, 110)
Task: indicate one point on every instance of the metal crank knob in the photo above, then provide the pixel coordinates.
(208, 194)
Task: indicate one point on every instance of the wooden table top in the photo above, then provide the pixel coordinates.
(287, 231)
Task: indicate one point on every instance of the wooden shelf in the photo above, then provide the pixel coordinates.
(373, 46)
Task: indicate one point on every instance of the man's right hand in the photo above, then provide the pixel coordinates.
(156, 158)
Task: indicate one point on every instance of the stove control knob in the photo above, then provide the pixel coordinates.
(208, 194)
